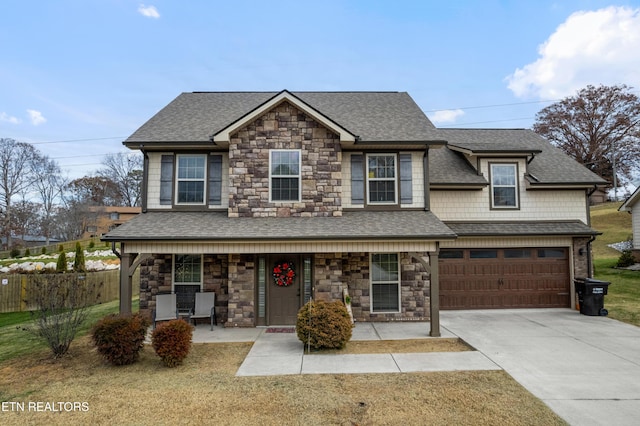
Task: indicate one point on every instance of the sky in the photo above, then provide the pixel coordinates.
(77, 77)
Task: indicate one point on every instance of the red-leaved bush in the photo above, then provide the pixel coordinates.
(120, 338)
(172, 341)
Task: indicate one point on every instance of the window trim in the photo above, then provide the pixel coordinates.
(298, 176)
(369, 179)
(516, 186)
(204, 180)
(398, 282)
(173, 271)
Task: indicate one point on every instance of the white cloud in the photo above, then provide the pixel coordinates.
(446, 115)
(36, 117)
(590, 47)
(9, 118)
(149, 11)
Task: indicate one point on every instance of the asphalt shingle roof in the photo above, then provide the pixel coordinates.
(520, 228)
(373, 116)
(217, 226)
(549, 166)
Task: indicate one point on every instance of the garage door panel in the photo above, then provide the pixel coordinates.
(514, 278)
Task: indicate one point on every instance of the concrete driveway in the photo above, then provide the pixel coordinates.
(587, 369)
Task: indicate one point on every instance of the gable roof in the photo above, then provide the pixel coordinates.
(371, 116)
(630, 202)
(548, 165)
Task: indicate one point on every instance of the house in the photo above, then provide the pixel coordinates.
(272, 198)
(102, 219)
(632, 206)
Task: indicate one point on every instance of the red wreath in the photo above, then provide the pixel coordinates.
(283, 274)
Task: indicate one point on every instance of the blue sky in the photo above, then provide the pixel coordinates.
(79, 76)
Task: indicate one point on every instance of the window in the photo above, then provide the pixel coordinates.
(517, 254)
(191, 179)
(187, 269)
(187, 279)
(483, 254)
(381, 179)
(284, 172)
(114, 216)
(385, 283)
(504, 187)
(451, 254)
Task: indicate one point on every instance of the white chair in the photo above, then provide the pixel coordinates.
(166, 308)
(205, 307)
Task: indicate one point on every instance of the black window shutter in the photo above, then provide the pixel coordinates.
(406, 187)
(215, 179)
(166, 179)
(357, 179)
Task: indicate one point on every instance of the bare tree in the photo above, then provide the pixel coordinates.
(48, 184)
(125, 170)
(15, 176)
(599, 127)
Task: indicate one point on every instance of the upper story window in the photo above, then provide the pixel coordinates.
(114, 216)
(382, 179)
(190, 182)
(284, 175)
(504, 186)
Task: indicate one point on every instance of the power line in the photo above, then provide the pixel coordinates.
(484, 122)
(76, 140)
(493, 106)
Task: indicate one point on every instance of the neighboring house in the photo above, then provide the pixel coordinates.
(102, 219)
(28, 241)
(632, 205)
(248, 192)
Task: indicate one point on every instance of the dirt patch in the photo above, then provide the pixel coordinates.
(399, 346)
(204, 390)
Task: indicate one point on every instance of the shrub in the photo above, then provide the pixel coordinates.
(92, 244)
(78, 262)
(62, 307)
(27, 253)
(172, 341)
(120, 338)
(61, 265)
(626, 259)
(43, 251)
(324, 325)
(14, 253)
(61, 248)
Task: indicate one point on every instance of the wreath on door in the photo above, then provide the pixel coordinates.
(283, 274)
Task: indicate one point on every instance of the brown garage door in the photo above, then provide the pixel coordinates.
(504, 278)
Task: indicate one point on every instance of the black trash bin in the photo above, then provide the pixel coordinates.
(591, 294)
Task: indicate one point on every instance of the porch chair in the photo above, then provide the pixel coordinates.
(205, 307)
(166, 308)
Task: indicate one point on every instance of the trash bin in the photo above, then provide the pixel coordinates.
(591, 294)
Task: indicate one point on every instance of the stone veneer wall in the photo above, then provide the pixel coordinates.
(333, 271)
(156, 278)
(580, 263)
(284, 127)
(241, 303)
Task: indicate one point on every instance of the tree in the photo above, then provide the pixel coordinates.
(94, 191)
(48, 184)
(15, 177)
(125, 171)
(599, 127)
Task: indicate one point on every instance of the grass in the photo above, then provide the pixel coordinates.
(204, 390)
(16, 341)
(623, 298)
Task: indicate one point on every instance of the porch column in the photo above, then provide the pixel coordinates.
(435, 294)
(126, 283)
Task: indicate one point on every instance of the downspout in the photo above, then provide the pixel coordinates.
(589, 260)
(425, 168)
(145, 178)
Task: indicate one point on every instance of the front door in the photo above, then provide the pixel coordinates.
(283, 289)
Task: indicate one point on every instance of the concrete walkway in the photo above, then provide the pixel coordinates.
(283, 353)
(586, 369)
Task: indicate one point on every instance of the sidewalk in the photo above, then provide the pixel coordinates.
(283, 354)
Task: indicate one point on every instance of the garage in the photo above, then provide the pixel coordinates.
(504, 278)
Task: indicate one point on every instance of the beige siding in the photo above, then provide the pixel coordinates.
(487, 242)
(635, 217)
(194, 247)
(534, 204)
(153, 195)
(417, 181)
